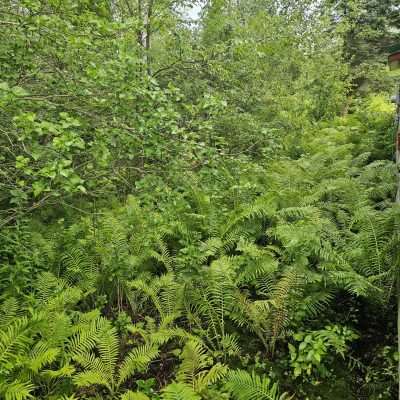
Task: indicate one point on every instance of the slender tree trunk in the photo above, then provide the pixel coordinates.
(148, 35)
(140, 16)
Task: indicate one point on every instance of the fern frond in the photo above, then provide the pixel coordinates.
(48, 285)
(8, 311)
(91, 377)
(163, 256)
(13, 341)
(109, 349)
(164, 335)
(179, 391)
(79, 268)
(86, 338)
(213, 375)
(129, 395)
(65, 371)
(41, 355)
(246, 386)
(17, 390)
(230, 344)
(353, 282)
(314, 304)
(194, 359)
(137, 360)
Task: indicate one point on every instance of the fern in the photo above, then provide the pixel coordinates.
(16, 390)
(98, 337)
(246, 386)
(8, 311)
(129, 395)
(137, 360)
(166, 294)
(15, 339)
(79, 268)
(179, 391)
(40, 356)
(194, 359)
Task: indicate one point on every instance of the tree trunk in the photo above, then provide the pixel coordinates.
(148, 35)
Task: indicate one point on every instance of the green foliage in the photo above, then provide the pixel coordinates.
(32, 345)
(129, 395)
(311, 355)
(196, 210)
(99, 335)
(179, 391)
(244, 385)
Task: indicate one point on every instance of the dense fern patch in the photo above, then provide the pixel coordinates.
(195, 211)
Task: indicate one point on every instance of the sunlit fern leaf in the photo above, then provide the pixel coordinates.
(328, 254)
(179, 391)
(137, 360)
(246, 386)
(84, 319)
(288, 282)
(208, 305)
(263, 307)
(231, 238)
(212, 314)
(260, 270)
(291, 213)
(112, 245)
(169, 319)
(129, 395)
(241, 310)
(56, 327)
(150, 290)
(85, 339)
(16, 390)
(109, 350)
(91, 377)
(65, 371)
(163, 335)
(255, 316)
(14, 339)
(91, 362)
(374, 244)
(41, 355)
